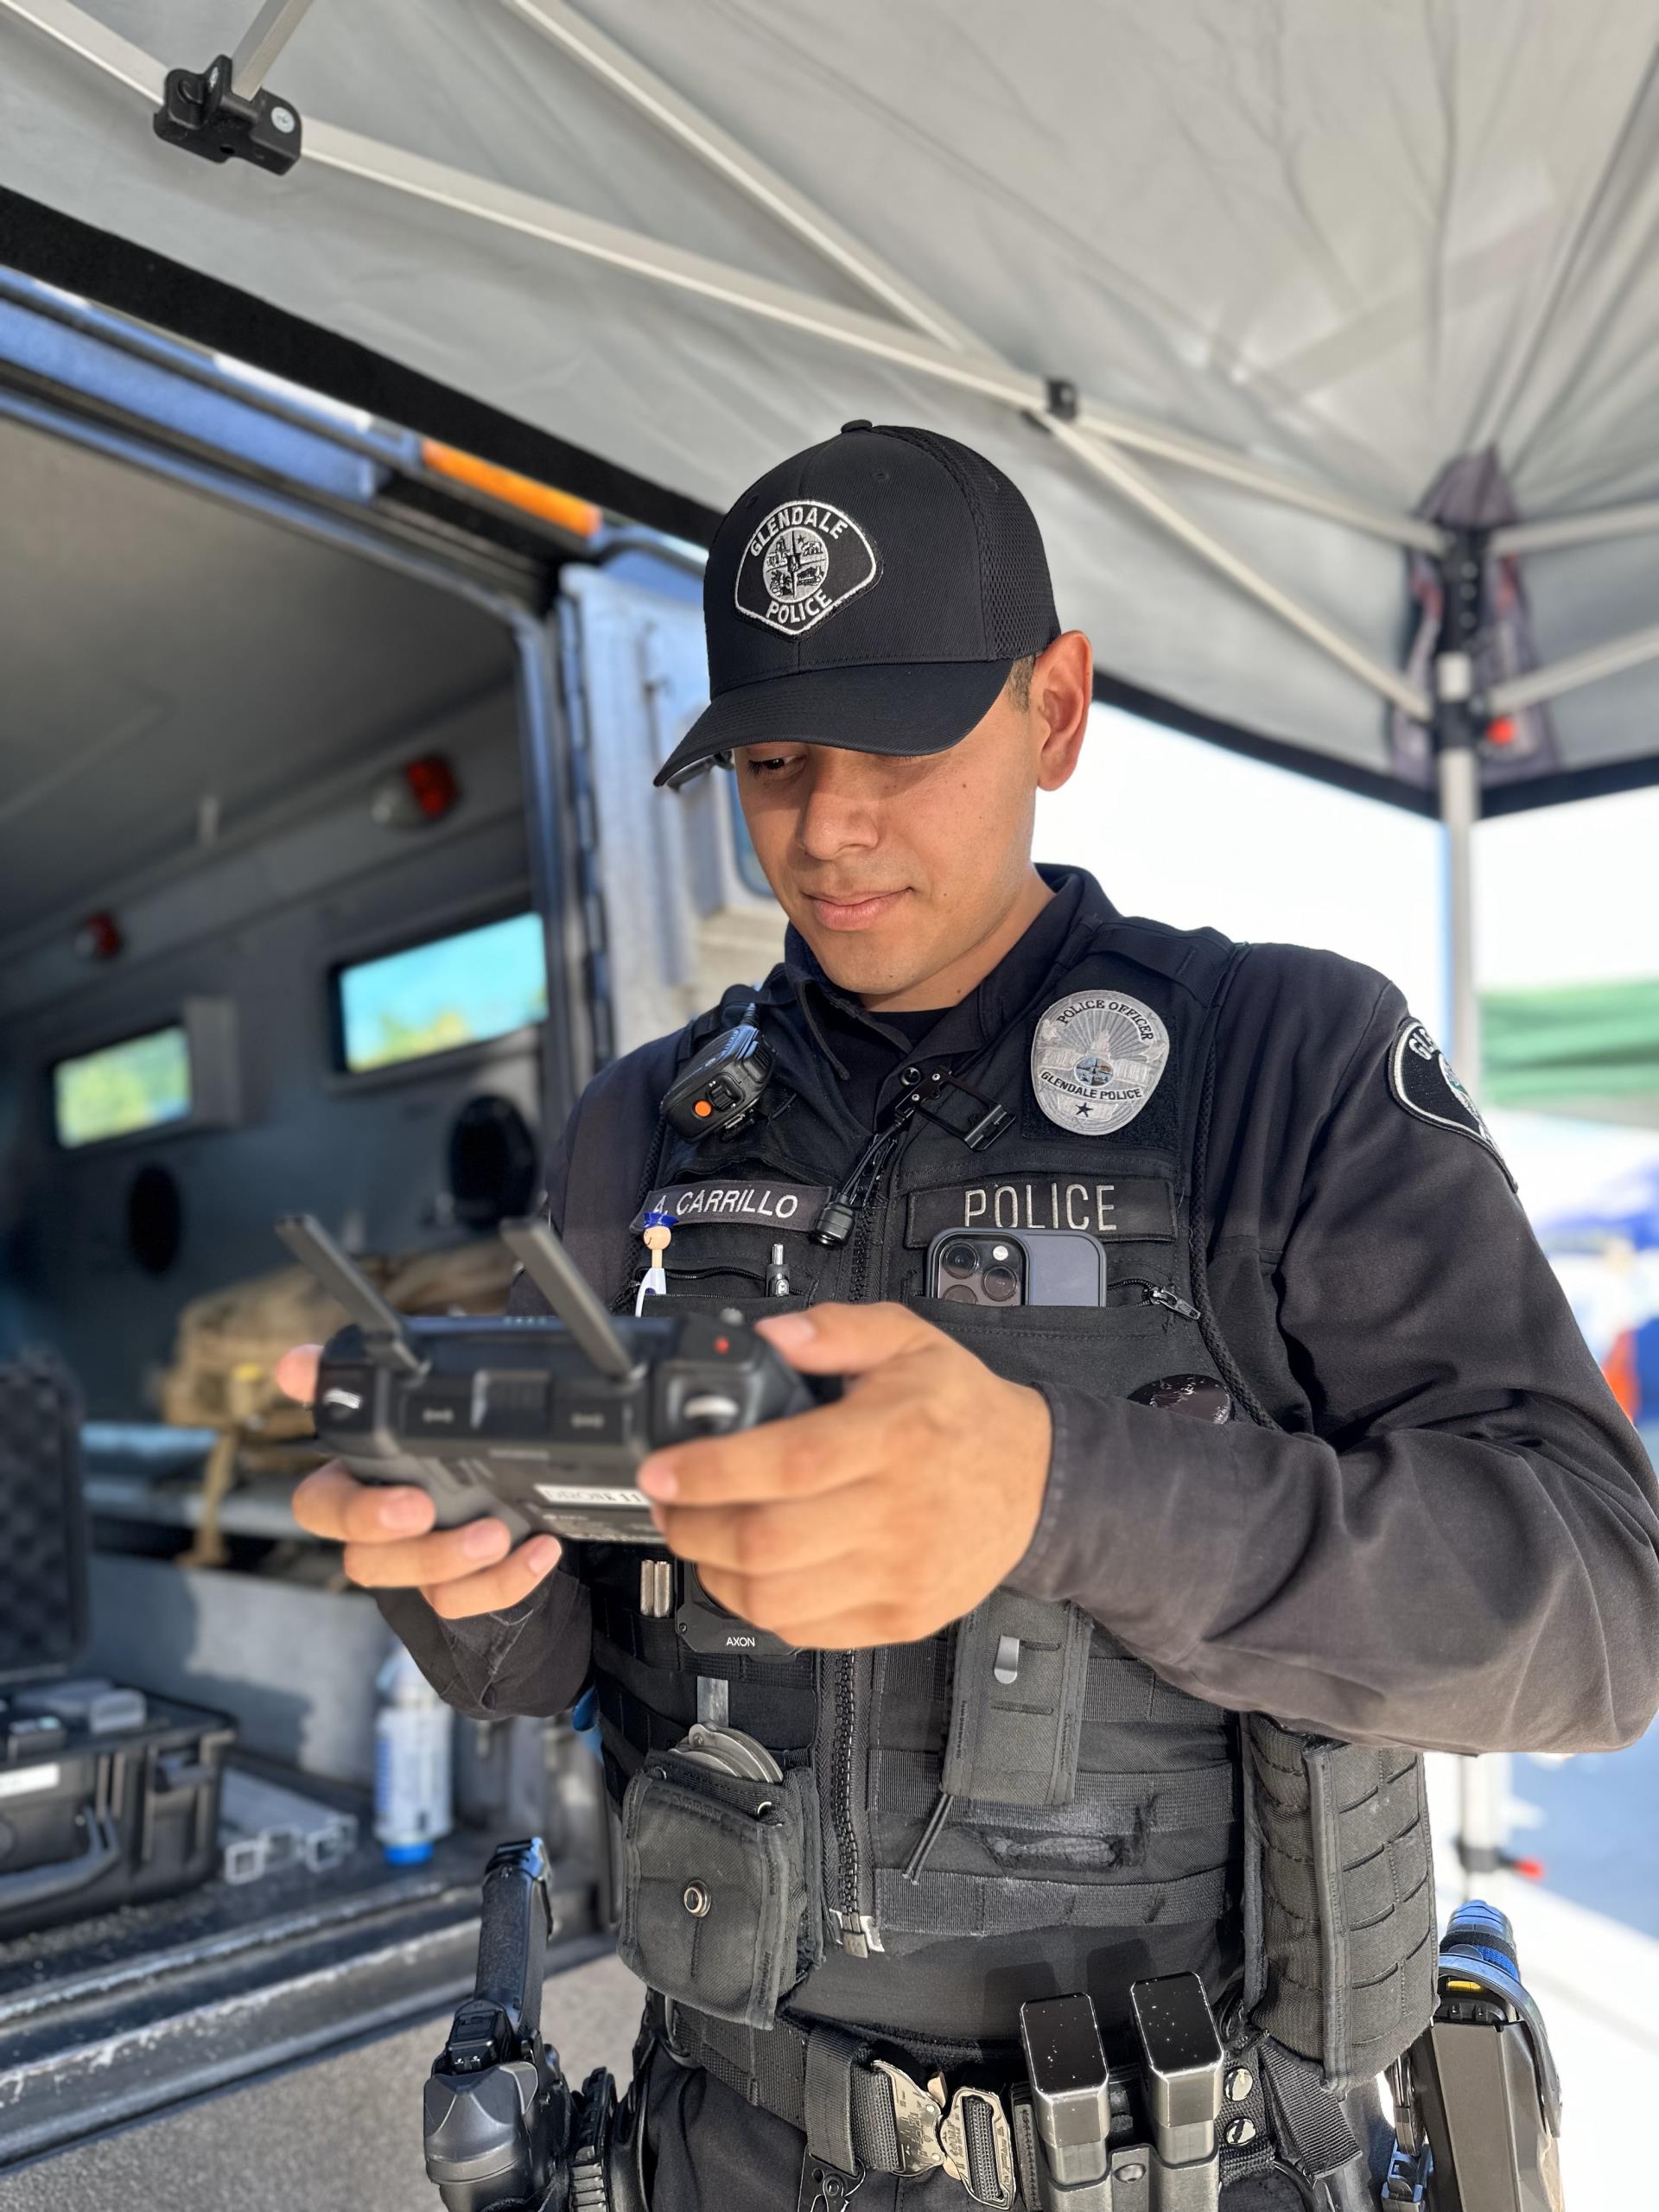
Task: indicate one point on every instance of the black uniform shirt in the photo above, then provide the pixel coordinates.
(1452, 1540)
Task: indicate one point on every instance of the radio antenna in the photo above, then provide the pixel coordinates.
(552, 1270)
(385, 1334)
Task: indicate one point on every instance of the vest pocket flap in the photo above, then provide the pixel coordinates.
(1109, 1349)
(1017, 1696)
(714, 1904)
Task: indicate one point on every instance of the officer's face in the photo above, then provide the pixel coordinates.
(897, 870)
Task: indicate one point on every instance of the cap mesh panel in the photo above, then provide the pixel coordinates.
(1016, 598)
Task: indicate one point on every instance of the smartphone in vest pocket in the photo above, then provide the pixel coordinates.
(1026, 1266)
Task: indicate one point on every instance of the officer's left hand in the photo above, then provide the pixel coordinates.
(877, 1519)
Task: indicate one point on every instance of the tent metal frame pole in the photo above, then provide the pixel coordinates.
(1458, 780)
(330, 146)
(88, 39)
(1131, 484)
(993, 379)
(665, 108)
(1634, 651)
(674, 115)
(261, 43)
(1460, 721)
(1639, 519)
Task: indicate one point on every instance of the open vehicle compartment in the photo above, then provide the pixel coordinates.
(234, 616)
(108, 2019)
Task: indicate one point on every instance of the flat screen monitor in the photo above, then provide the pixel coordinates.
(437, 996)
(142, 1082)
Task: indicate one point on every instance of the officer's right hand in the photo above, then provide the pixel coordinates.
(389, 1541)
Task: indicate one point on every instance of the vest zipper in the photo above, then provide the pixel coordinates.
(856, 1929)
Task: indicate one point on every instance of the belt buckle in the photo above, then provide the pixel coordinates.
(916, 2115)
(978, 2146)
(968, 2136)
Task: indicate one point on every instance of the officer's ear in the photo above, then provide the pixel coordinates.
(1062, 689)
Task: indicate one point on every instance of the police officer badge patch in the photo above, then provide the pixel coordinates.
(1423, 1082)
(806, 560)
(1095, 1060)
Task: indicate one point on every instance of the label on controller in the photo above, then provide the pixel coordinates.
(604, 1495)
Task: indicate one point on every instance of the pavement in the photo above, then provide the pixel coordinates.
(1597, 1982)
(338, 2134)
(1595, 1976)
(1593, 1820)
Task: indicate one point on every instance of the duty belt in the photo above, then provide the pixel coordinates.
(858, 2113)
(862, 2114)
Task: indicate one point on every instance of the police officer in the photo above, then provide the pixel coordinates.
(1097, 1640)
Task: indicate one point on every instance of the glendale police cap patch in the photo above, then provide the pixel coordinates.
(1423, 1081)
(806, 559)
(1095, 1060)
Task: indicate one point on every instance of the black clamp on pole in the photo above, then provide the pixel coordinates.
(203, 115)
(1060, 399)
(224, 113)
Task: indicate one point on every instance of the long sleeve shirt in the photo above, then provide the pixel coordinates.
(1450, 1540)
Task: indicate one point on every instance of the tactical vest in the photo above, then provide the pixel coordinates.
(1021, 1772)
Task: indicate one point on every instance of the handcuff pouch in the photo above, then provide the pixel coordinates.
(719, 1879)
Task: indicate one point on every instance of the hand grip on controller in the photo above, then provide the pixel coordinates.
(456, 1498)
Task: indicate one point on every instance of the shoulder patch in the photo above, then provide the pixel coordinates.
(1424, 1082)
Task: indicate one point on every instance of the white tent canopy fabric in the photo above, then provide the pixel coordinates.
(1298, 263)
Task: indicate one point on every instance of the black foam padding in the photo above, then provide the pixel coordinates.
(43, 1607)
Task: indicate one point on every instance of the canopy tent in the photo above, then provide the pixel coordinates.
(1321, 339)
(1592, 1050)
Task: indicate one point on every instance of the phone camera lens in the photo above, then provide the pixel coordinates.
(962, 1259)
(961, 1294)
(1001, 1283)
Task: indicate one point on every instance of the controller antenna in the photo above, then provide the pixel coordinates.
(552, 1270)
(385, 1334)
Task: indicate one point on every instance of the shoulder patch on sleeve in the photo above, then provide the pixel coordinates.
(1424, 1082)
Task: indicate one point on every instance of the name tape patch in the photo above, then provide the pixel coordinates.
(770, 1205)
(1424, 1082)
(1143, 1206)
(1096, 1057)
(806, 560)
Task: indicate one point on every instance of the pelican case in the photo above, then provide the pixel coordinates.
(107, 1794)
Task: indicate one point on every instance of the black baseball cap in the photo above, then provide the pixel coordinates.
(872, 592)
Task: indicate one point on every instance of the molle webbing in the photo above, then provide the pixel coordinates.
(1340, 1900)
(648, 1694)
(1018, 1690)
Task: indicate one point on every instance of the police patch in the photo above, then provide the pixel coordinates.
(1424, 1082)
(806, 560)
(1141, 1207)
(1095, 1060)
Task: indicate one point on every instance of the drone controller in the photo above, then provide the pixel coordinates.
(539, 1422)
